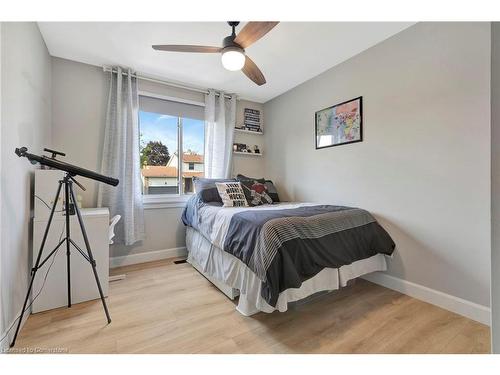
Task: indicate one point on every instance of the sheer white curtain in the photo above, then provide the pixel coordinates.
(220, 118)
(120, 157)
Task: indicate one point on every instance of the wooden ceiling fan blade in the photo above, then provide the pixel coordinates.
(186, 48)
(252, 32)
(253, 72)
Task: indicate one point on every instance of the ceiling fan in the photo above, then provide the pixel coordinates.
(233, 48)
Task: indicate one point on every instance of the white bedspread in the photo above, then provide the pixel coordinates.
(229, 270)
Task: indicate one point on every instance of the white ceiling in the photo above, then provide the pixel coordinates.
(290, 54)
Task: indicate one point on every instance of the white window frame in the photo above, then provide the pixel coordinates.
(154, 201)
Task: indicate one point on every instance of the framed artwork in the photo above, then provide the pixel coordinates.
(339, 124)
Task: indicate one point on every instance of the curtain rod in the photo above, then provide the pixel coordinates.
(163, 82)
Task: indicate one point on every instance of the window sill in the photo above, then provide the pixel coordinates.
(160, 201)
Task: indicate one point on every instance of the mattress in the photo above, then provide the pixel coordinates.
(231, 272)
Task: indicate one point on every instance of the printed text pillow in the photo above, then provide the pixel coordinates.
(232, 194)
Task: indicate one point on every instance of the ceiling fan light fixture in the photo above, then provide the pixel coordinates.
(233, 48)
(233, 58)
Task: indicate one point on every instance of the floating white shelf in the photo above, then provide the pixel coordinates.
(248, 131)
(246, 153)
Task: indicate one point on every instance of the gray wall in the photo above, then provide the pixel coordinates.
(423, 168)
(79, 96)
(26, 121)
(78, 110)
(495, 186)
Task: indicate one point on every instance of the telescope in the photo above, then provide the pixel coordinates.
(70, 208)
(73, 170)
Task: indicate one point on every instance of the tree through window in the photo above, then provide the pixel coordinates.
(162, 126)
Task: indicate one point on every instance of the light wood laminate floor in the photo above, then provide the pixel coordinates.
(162, 307)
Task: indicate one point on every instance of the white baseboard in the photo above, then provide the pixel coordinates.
(457, 305)
(148, 256)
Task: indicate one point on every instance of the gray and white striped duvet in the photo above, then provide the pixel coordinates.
(276, 232)
(287, 243)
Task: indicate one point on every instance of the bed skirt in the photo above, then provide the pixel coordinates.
(225, 268)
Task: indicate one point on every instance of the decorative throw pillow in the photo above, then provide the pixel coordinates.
(206, 189)
(271, 189)
(255, 193)
(231, 194)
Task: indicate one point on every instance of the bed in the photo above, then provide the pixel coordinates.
(275, 254)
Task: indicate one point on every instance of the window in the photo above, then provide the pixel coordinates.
(171, 145)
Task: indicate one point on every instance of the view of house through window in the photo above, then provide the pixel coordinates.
(162, 171)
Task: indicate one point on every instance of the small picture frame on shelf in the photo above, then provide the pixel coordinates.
(240, 147)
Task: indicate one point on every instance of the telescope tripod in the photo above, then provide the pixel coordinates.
(67, 181)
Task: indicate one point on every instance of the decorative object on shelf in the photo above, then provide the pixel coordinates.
(340, 124)
(256, 149)
(240, 147)
(251, 120)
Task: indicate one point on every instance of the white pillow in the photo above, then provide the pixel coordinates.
(232, 194)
